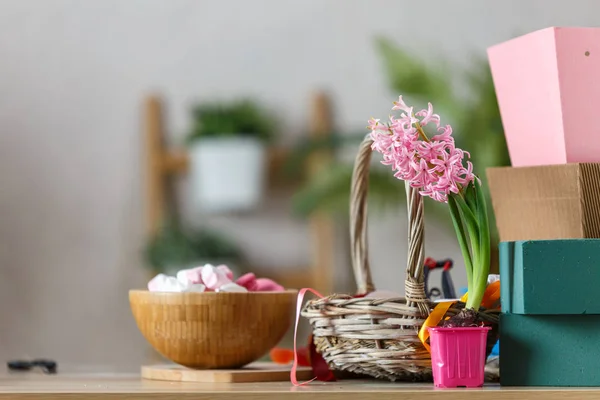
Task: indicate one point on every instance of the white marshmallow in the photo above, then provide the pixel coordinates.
(231, 287)
(214, 278)
(196, 288)
(182, 276)
(164, 283)
(173, 285)
(157, 282)
(190, 276)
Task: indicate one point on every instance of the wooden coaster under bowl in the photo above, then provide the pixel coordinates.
(255, 372)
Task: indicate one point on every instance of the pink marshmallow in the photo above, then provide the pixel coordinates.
(225, 269)
(248, 281)
(268, 285)
(214, 278)
(191, 276)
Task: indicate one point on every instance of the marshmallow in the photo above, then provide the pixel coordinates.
(164, 283)
(191, 276)
(248, 281)
(156, 282)
(268, 285)
(231, 287)
(225, 269)
(213, 278)
(196, 288)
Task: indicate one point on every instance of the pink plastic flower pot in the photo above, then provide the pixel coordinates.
(458, 356)
(548, 88)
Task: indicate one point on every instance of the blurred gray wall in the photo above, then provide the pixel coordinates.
(72, 78)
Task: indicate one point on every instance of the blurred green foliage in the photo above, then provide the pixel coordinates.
(466, 100)
(238, 118)
(177, 247)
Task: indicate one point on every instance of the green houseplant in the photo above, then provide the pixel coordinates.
(227, 142)
(240, 118)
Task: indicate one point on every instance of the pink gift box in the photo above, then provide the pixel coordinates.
(548, 88)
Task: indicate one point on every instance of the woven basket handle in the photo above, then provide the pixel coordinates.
(414, 283)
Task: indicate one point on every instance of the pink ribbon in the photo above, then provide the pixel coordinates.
(293, 374)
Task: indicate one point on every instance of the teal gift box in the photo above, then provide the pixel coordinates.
(549, 350)
(550, 277)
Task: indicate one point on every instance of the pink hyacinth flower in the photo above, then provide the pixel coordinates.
(434, 166)
(429, 116)
(401, 105)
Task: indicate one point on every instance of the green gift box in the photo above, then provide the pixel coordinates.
(549, 350)
(550, 277)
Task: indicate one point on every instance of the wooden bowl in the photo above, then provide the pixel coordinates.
(213, 330)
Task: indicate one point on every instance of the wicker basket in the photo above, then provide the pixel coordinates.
(378, 337)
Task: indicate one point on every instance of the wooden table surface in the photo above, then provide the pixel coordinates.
(129, 387)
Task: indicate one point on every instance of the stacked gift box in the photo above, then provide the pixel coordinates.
(547, 207)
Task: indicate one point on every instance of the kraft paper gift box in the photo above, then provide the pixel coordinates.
(549, 350)
(546, 202)
(548, 88)
(550, 277)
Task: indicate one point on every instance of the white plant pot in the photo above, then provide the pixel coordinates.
(227, 173)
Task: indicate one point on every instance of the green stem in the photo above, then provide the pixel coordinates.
(471, 223)
(468, 209)
(483, 263)
(470, 196)
(462, 240)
